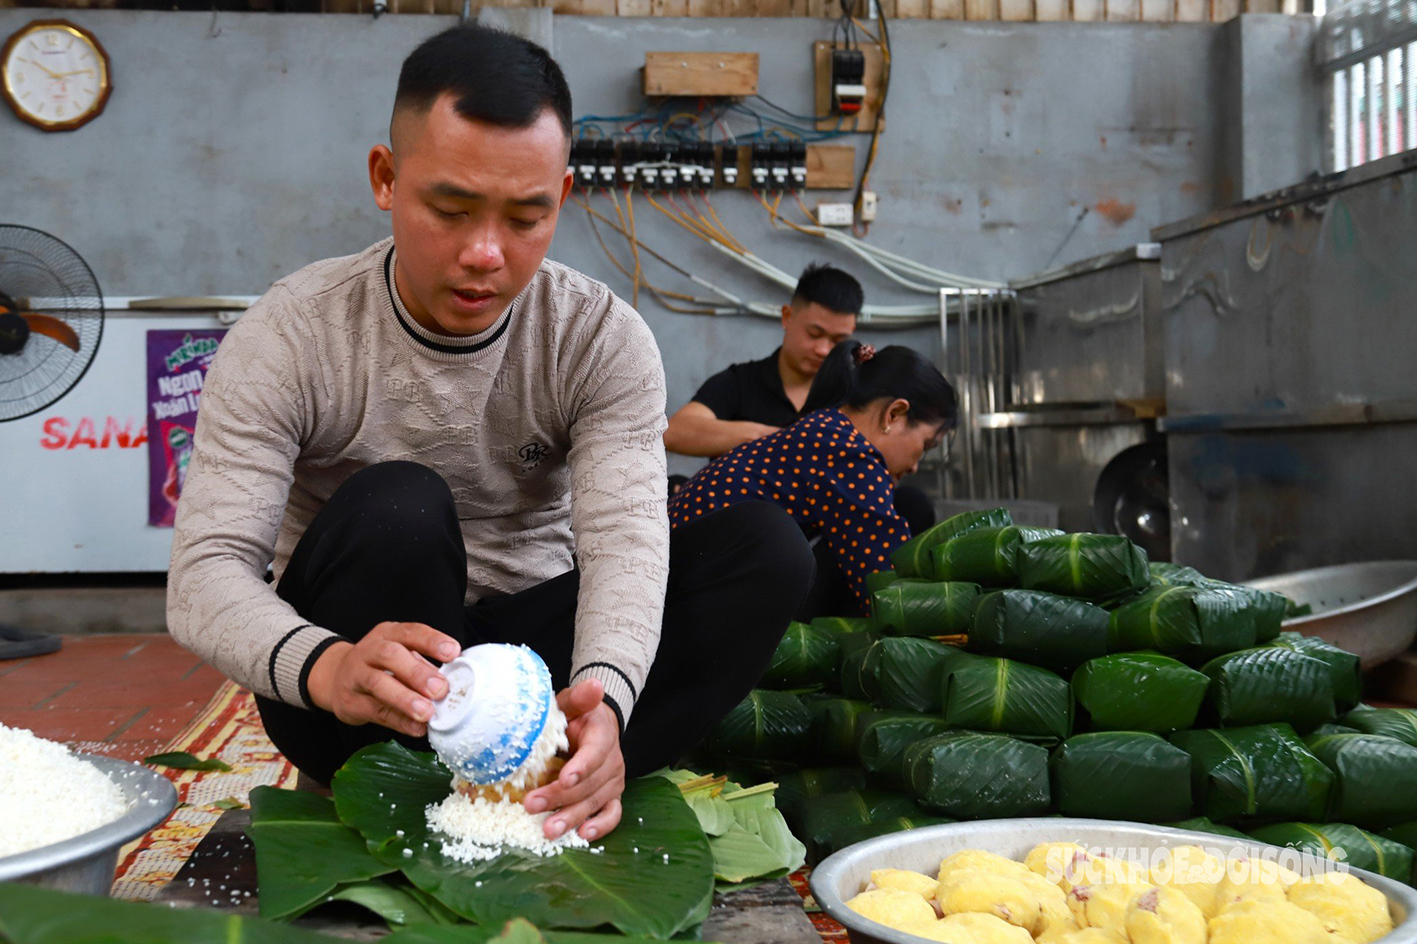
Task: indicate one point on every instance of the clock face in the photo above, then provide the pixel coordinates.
(55, 75)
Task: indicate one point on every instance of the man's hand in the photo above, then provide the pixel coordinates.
(754, 431)
(382, 678)
(587, 793)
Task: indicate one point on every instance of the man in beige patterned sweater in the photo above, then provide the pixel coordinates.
(447, 439)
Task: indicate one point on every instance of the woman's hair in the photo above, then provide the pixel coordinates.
(857, 376)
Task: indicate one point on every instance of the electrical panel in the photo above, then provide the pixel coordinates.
(771, 166)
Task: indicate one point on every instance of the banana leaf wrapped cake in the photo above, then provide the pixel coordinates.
(986, 556)
(912, 559)
(1121, 775)
(990, 694)
(1345, 669)
(1139, 691)
(1361, 849)
(766, 725)
(1262, 772)
(885, 735)
(1087, 566)
(1044, 629)
(1193, 624)
(1271, 683)
(923, 608)
(969, 775)
(807, 657)
(835, 723)
(910, 672)
(1375, 778)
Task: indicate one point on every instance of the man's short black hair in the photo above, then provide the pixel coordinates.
(831, 288)
(497, 77)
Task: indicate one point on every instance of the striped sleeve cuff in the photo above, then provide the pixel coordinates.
(620, 694)
(291, 659)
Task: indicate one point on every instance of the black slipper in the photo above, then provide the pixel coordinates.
(16, 643)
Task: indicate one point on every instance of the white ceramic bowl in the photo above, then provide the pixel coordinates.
(497, 703)
(840, 876)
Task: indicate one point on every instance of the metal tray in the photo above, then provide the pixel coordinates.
(1370, 609)
(87, 862)
(841, 875)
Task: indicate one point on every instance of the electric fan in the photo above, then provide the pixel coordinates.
(51, 320)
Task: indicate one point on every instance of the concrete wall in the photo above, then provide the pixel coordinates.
(233, 151)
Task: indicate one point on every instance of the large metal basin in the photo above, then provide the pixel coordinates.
(1370, 609)
(86, 863)
(841, 875)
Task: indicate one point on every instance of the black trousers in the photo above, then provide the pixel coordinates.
(387, 546)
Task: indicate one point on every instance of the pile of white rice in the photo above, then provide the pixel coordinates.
(480, 829)
(48, 795)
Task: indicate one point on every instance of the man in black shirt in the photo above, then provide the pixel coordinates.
(751, 400)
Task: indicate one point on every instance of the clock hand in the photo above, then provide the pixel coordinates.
(52, 73)
(63, 75)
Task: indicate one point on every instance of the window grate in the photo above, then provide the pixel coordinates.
(1368, 48)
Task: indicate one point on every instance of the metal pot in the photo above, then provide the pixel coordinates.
(87, 863)
(845, 873)
(1369, 609)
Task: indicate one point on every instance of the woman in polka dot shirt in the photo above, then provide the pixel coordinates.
(868, 419)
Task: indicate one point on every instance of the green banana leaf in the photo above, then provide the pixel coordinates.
(30, 914)
(1405, 834)
(1359, 848)
(795, 789)
(303, 851)
(383, 790)
(1345, 668)
(766, 725)
(861, 671)
(968, 775)
(884, 578)
(989, 694)
(1167, 574)
(921, 608)
(1263, 772)
(1040, 628)
(835, 722)
(842, 625)
(1193, 624)
(757, 845)
(884, 737)
(1129, 775)
(1257, 686)
(1375, 782)
(827, 817)
(516, 931)
(851, 835)
(988, 556)
(1089, 566)
(807, 657)
(1139, 691)
(1200, 824)
(397, 903)
(1400, 723)
(911, 672)
(1269, 609)
(912, 559)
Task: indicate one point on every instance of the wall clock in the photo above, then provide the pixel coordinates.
(55, 75)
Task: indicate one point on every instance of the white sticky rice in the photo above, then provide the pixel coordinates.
(48, 795)
(475, 830)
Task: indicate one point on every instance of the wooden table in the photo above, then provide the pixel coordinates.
(221, 874)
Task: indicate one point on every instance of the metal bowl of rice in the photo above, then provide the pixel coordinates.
(843, 874)
(86, 863)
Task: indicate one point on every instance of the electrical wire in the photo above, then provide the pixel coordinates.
(861, 229)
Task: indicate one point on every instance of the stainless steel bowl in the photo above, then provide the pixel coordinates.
(1370, 609)
(842, 875)
(86, 863)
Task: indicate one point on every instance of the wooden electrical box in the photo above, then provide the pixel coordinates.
(865, 119)
(831, 167)
(692, 74)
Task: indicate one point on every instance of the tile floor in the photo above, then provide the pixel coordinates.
(122, 695)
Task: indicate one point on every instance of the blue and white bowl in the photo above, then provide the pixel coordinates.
(499, 697)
